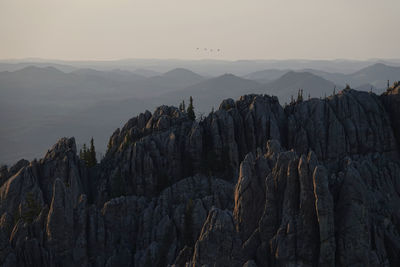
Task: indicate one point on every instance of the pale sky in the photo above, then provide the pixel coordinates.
(242, 29)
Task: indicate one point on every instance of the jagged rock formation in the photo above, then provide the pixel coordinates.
(316, 216)
(391, 100)
(167, 145)
(316, 183)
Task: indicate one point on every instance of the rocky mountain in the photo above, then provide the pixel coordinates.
(316, 183)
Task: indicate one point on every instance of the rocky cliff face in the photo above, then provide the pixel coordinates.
(316, 183)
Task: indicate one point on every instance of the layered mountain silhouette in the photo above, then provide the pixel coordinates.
(177, 78)
(266, 76)
(375, 75)
(36, 101)
(288, 85)
(209, 93)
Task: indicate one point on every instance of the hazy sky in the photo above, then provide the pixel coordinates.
(242, 29)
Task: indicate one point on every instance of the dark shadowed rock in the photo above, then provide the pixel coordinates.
(316, 183)
(218, 244)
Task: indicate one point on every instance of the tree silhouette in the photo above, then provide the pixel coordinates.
(190, 109)
(83, 154)
(92, 154)
(300, 95)
(182, 106)
(88, 155)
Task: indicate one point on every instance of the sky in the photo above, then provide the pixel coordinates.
(241, 29)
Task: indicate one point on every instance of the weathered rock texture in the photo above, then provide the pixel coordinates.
(316, 183)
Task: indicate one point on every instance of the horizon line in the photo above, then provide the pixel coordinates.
(30, 59)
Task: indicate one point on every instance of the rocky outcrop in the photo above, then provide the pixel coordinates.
(125, 231)
(154, 150)
(317, 215)
(6, 173)
(325, 215)
(348, 123)
(391, 101)
(316, 183)
(218, 242)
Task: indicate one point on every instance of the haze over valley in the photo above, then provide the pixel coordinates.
(41, 102)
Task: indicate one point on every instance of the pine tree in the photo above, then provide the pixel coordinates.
(190, 109)
(88, 155)
(92, 154)
(84, 153)
(300, 95)
(182, 106)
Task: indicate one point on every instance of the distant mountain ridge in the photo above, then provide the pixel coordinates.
(210, 92)
(375, 75)
(266, 76)
(179, 78)
(290, 83)
(35, 101)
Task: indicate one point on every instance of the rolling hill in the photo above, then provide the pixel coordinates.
(291, 82)
(265, 76)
